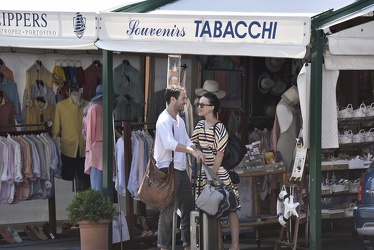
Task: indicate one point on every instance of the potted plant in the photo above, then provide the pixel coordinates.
(93, 211)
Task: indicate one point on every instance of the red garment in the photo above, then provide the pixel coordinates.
(6, 71)
(7, 113)
(93, 76)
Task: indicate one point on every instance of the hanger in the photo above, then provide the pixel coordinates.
(40, 99)
(39, 62)
(40, 83)
(126, 62)
(97, 63)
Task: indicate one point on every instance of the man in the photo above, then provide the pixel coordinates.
(171, 135)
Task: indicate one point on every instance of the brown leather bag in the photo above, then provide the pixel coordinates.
(157, 187)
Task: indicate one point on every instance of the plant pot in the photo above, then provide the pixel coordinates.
(94, 236)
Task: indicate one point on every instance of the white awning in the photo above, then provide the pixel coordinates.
(206, 33)
(49, 30)
(358, 40)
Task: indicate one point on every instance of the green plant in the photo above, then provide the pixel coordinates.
(91, 205)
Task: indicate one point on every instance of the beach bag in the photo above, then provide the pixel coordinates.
(217, 200)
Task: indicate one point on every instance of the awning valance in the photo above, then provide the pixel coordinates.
(205, 34)
(49, 30)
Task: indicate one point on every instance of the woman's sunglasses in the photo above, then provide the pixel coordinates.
(202, 105)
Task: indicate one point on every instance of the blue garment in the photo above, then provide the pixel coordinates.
(127, 83)
(96, 178)
(10, 89)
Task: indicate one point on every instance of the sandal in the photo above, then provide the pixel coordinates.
(30, 233)
(40, 234)
(15, 234)
(47, 230)
(8, 237)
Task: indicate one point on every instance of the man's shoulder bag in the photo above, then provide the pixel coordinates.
(157, 187)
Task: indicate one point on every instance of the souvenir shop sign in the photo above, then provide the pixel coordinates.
(53, 30)
(218, 34)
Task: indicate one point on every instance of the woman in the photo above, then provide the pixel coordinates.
(212, 139)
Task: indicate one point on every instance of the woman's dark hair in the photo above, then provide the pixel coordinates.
(213, 100)
(173, 91)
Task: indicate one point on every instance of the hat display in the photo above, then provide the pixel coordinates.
(211, 86)
(270, 109)
(99, 93)
(279, 87)
(274, 64)
(265, 83)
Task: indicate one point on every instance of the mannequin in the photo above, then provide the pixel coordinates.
(289, 124)
(76, 98)
(68, 126)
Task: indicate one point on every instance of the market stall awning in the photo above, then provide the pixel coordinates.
(48, 30)
(206, 33)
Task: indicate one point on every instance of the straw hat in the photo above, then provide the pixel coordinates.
(278, 88)
(265, 83)
(274, 64)
(211, 86)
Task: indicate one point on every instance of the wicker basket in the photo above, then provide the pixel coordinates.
(370, 110)
(346, 113)
(359, 137)
(370, 135)
(347, 137)
(360, 112)
(349, 211)
(338, 188)
(353, 187)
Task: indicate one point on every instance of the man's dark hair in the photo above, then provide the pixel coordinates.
(173, 91)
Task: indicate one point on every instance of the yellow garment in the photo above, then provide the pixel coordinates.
(68, 125)
(33, 113)
(37, 72)
(59, 71)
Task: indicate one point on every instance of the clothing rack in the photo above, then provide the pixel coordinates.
(47, 129)
(128, 127)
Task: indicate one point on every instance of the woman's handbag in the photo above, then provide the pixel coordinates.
(217, 200)
(234, 152)
(157, 187)
(234, 176)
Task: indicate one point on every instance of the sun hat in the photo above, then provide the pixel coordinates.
(274, 64)
(99, 93)
(265, 83)
(279, 87)
(211, 86)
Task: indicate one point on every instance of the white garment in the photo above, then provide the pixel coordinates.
(166, 141)
(120, 184)
(329, 130)
(134, 183)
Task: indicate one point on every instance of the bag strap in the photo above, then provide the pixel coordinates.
(214, 131)
(171, 166)
(210, 174)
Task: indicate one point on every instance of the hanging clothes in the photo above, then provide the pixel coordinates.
(127, 83)
(29, 164)
(10, 89)
(7, 113)
(8, 73)
(93, 76)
